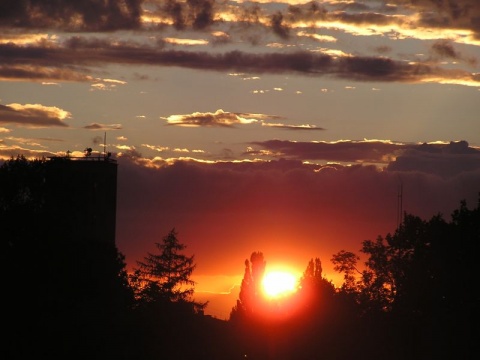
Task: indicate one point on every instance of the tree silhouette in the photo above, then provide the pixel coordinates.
(313, 284)
(420, 281)
(165, 276)
(22, 196)
(250, 289)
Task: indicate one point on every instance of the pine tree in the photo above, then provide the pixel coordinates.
(165, 276)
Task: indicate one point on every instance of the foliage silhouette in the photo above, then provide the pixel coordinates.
(413, 298)
(419, 281)
(250, 289)
(166, 275)
(169, 322)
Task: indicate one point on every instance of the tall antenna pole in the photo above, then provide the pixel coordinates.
(399, 204)
(105, 144)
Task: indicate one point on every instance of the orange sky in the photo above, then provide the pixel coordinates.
(284, 127)
(289, 211)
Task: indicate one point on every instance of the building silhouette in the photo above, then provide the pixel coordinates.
(82, 198)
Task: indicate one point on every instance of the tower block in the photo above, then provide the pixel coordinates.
(82, 198)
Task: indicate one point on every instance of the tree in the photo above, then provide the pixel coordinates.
(313, 283)
(420, 282)
(250, 287)
(165, 276)
(22, 197)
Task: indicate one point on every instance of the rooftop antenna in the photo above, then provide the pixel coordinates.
(105, 145)
(399, 204)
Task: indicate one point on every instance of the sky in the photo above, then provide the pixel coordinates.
(287, 127)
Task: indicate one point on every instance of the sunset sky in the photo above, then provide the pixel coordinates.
(283, 127)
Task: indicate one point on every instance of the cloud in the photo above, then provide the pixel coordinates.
(87, 15)
(106, 84)
(40, 73)
(438, 158)
(461, 14)
(444, 160)
(293, 127)
(188, 42)
(22, 39)
(444, 49)
(33, 115)
(278, 26)
(317, 37)
(364, 18)
(97, 126)
(198, 14)
(12, 146)
(9, 151)
(219, 118)
(382, 17)
(80, 52)
(342, 151)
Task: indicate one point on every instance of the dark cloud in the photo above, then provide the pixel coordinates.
(278, 26)
(343, 151)
(444, 49)
(458, 14)
(79, 53)
(97, 140)
(110, 15)
(383, 49)
(97, 126)
(440, 159)
(202, 13)
(445, 160)
(308, 12)
(445, 14)
(176, 11)
(85, 15)
(39, 73)
(347, 12)
(197, 14)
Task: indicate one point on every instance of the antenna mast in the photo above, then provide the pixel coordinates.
(105, 145)
(399, 204)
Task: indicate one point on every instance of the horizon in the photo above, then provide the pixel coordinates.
(284, 127)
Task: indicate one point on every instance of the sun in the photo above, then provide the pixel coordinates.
(279, 283)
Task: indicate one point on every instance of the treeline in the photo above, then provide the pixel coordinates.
(413, 296)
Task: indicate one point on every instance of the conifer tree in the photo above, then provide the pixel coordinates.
(165, 276)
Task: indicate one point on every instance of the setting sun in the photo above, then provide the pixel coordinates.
(279, 283)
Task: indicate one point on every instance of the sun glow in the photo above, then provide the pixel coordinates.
(279, 283)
